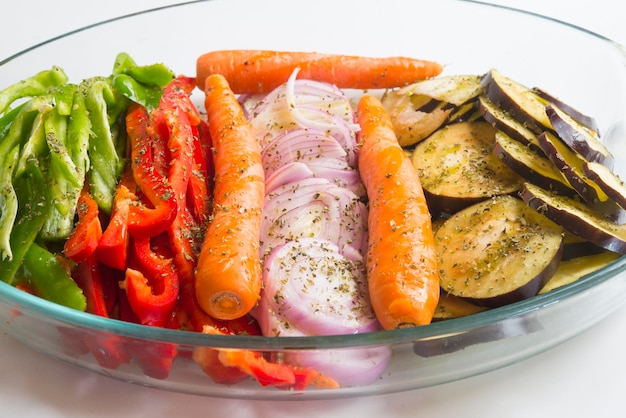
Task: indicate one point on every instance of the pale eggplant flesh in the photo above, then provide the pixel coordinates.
(531, 165)
(578, 137)
(576, 217)
(457, 167)
(497, 252)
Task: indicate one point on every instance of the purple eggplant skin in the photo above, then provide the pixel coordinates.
(577, 218)
(581, 248)
(497, 252)
(531, 165)
(517, 100)
(608, 182)
(502, 121)
(572, 166)
(513, 327)
(584, 119)
(579, 138)
(528, 290)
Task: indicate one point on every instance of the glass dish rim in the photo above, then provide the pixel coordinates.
(438, 329)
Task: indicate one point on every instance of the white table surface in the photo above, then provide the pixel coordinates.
(584, 377)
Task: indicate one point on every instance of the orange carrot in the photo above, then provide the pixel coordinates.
(260, 71)
(401, 261)
(228, 275)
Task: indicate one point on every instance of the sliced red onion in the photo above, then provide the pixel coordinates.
(324, 156)
(304, 145)
(309, 288)
(314, 231)
(306, 104)
(348, 366)
(314, 207)
(309, 285)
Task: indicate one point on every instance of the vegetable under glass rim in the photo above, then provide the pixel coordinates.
(49, 310)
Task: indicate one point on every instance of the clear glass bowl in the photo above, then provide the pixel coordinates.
(582, 68)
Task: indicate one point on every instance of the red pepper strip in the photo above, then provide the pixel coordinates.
(124, 310)
(210, 363)
(178, 91)
(87, 276)
(83, 240)
(253, 364)
(112, 248)
(284, 376)
(145, 221)
(152, 289)
(179, 116)
(72, 341)
(155, 358)
(206, 151)
(107, 349)
(199, 200)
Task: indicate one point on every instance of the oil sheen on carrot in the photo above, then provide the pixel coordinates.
(401, 261)
(228, 275)
(260, 71)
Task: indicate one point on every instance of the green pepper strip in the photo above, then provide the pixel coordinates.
(34, 202)
(107, 144)
(9, 157)
(48, 276)
(141, 84)
(65, 180)
(35, 85)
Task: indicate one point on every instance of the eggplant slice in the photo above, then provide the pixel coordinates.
(532, 166)
(457, 167)
(577, 217)
(497, 252)
(419, 109)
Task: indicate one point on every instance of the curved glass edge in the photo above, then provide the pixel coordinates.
(93, 25)
(172, 6)
(24, 300)
(35, 304)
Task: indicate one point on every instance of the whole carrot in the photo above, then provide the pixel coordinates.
(260, 71)
(401, 261)
(228, 275)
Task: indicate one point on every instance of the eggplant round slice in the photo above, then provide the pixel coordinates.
(580, 138)
(502, 121)
(577, 217)
(518, 100)
(531, 165)
(419, 109)
(457, 167)
(497, 252)
(582, 118)
(450, 307)
(608, 181)
(572, 165)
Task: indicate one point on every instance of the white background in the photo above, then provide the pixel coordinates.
(583, 377)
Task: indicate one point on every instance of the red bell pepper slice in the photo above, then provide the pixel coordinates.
(154, 358)
(112, 249)
(253, 364)
(95, 285)
(199, 199)
(151, 284)
(143, 220)
(100, 288)
(83, 240)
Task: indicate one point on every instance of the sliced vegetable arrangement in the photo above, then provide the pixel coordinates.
(506, 186)
(286, 211)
